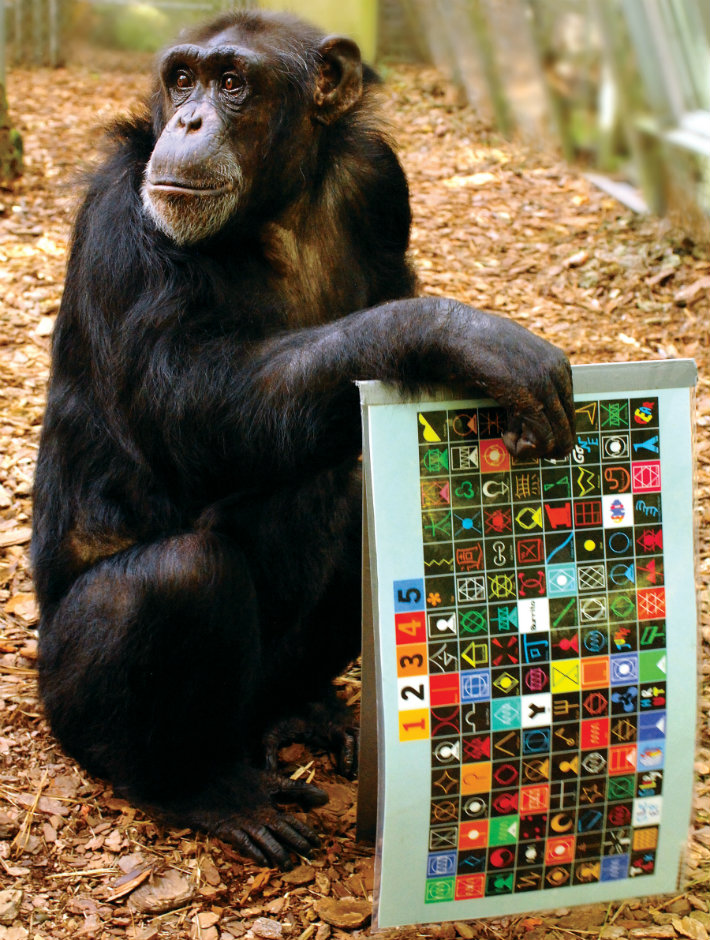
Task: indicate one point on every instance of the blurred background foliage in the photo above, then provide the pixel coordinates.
(620, 86)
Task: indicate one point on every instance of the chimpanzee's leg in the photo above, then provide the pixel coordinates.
(303, 545)
(164, 665)
(152, 674)
(304, 542)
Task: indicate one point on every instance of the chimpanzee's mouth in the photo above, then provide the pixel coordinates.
(189, 188)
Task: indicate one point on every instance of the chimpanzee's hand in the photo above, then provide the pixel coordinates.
(328, 724)
(532, 379)
(424, 342)
(525, 374)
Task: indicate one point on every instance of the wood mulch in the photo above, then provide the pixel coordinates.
(503, 226)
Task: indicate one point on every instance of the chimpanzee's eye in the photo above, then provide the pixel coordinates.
(231, 82)
(183, 79)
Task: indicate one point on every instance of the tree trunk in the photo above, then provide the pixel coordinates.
(10, 144)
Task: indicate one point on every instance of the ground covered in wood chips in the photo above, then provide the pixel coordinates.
(498, 225)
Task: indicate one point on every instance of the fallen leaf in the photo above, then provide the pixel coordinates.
(574, 261)
(659, 932)
(687, 295)
(114, 841)
(18, 536)
(24, 605)
(209, 871)
(300, 875)
(346, 913)
(475, 179)
(162, 893)
(129, 882)
(267, 928)
(45, 327)
(45, 804)
(529, 922)
(151, 932)
(689, 927)
(661, 276)
(465, 931)
(10, 902)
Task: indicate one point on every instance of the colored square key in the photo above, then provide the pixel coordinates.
(646, 476)
(444, 689)
(476, 778)
(473, 835)
(412, 660)
(595, 733)
(470, 886)
(410, 628)
(414, 724)
(595, 672)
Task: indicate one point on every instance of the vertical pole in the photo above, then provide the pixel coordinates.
(53, 38)
(440, 50)
(10, 140)
(483, 36)
(19, 37)
(36, 55)
(643, 145)
(538, 22)
(2, 42)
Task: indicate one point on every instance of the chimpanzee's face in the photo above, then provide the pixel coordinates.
(219, 101)
(242, 116)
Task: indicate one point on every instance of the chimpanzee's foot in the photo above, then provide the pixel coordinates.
(256, 828)
(267, 835)
(327, 726)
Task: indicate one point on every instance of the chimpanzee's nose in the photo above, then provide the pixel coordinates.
(191, 121)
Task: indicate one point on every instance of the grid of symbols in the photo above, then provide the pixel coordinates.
(532, 654)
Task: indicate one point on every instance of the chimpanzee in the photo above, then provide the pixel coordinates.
(238, 261)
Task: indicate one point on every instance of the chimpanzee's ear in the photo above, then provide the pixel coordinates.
(339, 81)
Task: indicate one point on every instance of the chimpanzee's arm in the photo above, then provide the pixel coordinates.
(300, 384)
(287, 403)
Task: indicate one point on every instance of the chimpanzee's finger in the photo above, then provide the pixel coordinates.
(563, 429)
(297, 834)
(242, 841)
(284, 790)
(544, 426)
(269, 838)
(347, 754)
(269, 845)
(528, 436)
(565, 392)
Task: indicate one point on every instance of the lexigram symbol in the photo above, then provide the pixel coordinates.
(589, 410)
(429, 434)
(473, 621)
(471, 589)
(438, 529)
(436, 460)
(502, 586)
(526, 486)
(615, 414)
(586, 481)
(652, 603)
(435, 493)
(591, 577)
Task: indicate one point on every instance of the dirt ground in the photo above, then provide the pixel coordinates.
(505, 227)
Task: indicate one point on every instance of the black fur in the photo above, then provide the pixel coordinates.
(196, 539)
